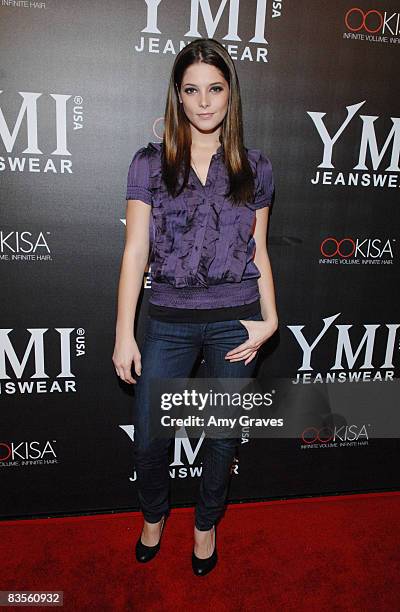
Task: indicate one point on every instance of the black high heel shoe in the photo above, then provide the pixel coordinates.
(201, 567)
(147, 553)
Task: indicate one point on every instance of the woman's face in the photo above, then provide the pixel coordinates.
(204, 93)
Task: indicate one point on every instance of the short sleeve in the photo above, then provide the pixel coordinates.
(138, 178)
(265, 183)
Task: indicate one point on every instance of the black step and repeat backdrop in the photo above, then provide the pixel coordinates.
(82, 87)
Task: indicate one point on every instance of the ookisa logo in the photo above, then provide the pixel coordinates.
(372, 25)
(26, 370)
(373, 168)
(61, 112)
(24, 246)
(356, 251)
(33, 452)
(335, 436)
(203, 21)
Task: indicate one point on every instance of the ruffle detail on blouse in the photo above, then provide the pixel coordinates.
(200, 239)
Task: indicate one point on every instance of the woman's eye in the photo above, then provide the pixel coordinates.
(217, 88)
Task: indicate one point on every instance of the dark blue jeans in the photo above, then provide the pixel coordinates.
(170, 350)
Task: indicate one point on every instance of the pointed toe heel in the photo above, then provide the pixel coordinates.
(147, 553)
(201, 567)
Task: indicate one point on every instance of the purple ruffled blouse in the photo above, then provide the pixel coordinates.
(201, 247)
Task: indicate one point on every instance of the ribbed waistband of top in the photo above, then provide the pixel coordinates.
(214, 296)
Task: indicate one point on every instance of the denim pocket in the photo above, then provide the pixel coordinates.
(255, 317)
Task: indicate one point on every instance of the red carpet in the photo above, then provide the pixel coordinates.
(329, 553)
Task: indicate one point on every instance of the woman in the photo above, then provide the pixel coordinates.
(205, 198)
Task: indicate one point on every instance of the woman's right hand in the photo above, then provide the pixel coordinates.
(125, 351)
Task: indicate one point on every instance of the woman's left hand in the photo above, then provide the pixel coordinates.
(259, 332)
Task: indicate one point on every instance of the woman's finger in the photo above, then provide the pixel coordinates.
(248, 344)
(250, 358)
(242, 355)
(127, 376)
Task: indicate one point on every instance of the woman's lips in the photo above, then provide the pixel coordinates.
(206, 116)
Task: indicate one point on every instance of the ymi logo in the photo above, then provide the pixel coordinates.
(65, 118)
(185, 455)
(367, 149)
(201, 13)
(348, 354)
(22, 372)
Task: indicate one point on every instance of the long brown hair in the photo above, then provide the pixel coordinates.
(177, 137)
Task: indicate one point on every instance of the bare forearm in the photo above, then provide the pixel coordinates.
(266, 287)
(130, 284)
